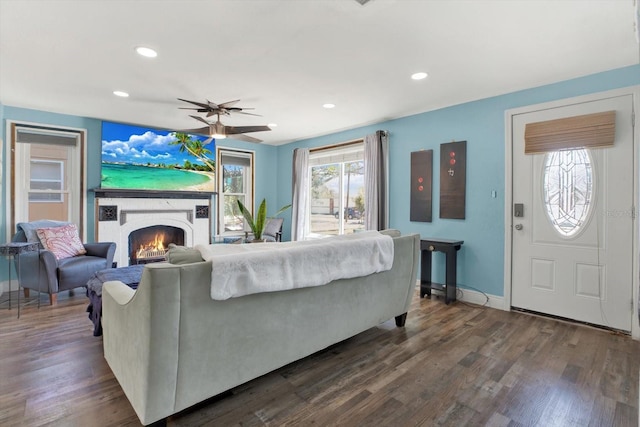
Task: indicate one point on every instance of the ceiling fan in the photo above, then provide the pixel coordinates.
(219, 131)
(211, 108)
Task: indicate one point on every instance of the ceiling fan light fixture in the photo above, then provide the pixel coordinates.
(217, 130)
(419, 76)
(146, 52)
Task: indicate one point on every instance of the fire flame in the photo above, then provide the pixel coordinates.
(152, 247)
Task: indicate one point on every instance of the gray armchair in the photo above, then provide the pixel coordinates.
(50, 275)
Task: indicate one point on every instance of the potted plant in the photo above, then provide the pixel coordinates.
(258, 223)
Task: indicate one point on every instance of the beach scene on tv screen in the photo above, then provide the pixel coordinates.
(140, 158)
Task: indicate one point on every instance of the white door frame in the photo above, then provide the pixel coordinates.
(82, 158)
(634, 91)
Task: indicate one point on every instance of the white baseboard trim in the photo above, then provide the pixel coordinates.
(474, 297)
(4, 286)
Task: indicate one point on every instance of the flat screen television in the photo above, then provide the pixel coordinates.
(140, 158)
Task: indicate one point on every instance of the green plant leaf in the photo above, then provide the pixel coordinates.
(282, 209)
(261, 219)
(247, 216)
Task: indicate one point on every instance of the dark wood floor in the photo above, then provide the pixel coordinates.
(451, 365)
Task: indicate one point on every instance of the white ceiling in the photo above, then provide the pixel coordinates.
(286, 58)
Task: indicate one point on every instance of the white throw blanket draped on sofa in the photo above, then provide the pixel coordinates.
(239, 270)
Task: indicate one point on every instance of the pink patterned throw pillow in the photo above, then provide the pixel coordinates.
(63, 242)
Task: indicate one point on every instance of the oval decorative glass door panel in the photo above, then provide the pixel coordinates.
(568, 189)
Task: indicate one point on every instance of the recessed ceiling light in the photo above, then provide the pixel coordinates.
(146, 51)
(329, 105)
(120, 93)
(273, 125)
(419, 76)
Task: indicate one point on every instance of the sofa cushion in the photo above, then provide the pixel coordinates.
(391, 232)
(182, 255)
(27, 231)
(63, 242)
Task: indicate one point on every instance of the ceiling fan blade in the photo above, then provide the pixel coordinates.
(207, 141)
(199, 104)
(248, 114)
(233, 130)
(198, 109)
(206, 131)
(200, 119)
(242, 137)
(217, 112)
(228, 104)
(212, 105)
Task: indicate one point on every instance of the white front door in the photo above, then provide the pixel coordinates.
(572, 247)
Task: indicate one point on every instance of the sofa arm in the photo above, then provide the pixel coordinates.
(141, 331)
(101, 249)
(120, 292)
(39, 267)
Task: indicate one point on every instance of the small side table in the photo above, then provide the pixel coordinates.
(10, 250)
(450, 248)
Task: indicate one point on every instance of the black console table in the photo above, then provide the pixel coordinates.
(450, 248)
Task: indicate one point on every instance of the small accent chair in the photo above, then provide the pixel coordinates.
(273, 230)
(51, 275)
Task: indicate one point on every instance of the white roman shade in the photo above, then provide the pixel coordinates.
(33, 135)
(586, 131)
(236, 159)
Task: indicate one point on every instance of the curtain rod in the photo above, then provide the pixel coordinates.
(342, 144)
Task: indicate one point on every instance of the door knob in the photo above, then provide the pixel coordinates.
(518, 226)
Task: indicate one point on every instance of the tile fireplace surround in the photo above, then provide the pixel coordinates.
(120, 212)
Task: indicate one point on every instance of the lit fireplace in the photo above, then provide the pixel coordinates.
(153, 249)
(150, 244)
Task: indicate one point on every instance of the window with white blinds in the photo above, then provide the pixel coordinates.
(46, 183)
(235, 182)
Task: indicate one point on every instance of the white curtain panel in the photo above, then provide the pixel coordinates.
(376, 166)
(300, 203)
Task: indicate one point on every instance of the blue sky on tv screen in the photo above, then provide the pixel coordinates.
(122, 143)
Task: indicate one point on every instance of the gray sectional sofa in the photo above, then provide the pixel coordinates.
(170, 345)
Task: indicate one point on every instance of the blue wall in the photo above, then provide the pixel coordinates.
(482, 124)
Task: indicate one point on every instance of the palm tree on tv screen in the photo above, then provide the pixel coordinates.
(193, 147)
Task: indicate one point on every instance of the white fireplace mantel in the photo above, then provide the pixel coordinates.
(120, 212)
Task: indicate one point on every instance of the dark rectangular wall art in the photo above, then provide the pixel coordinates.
(421, 185)
(453, 179)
